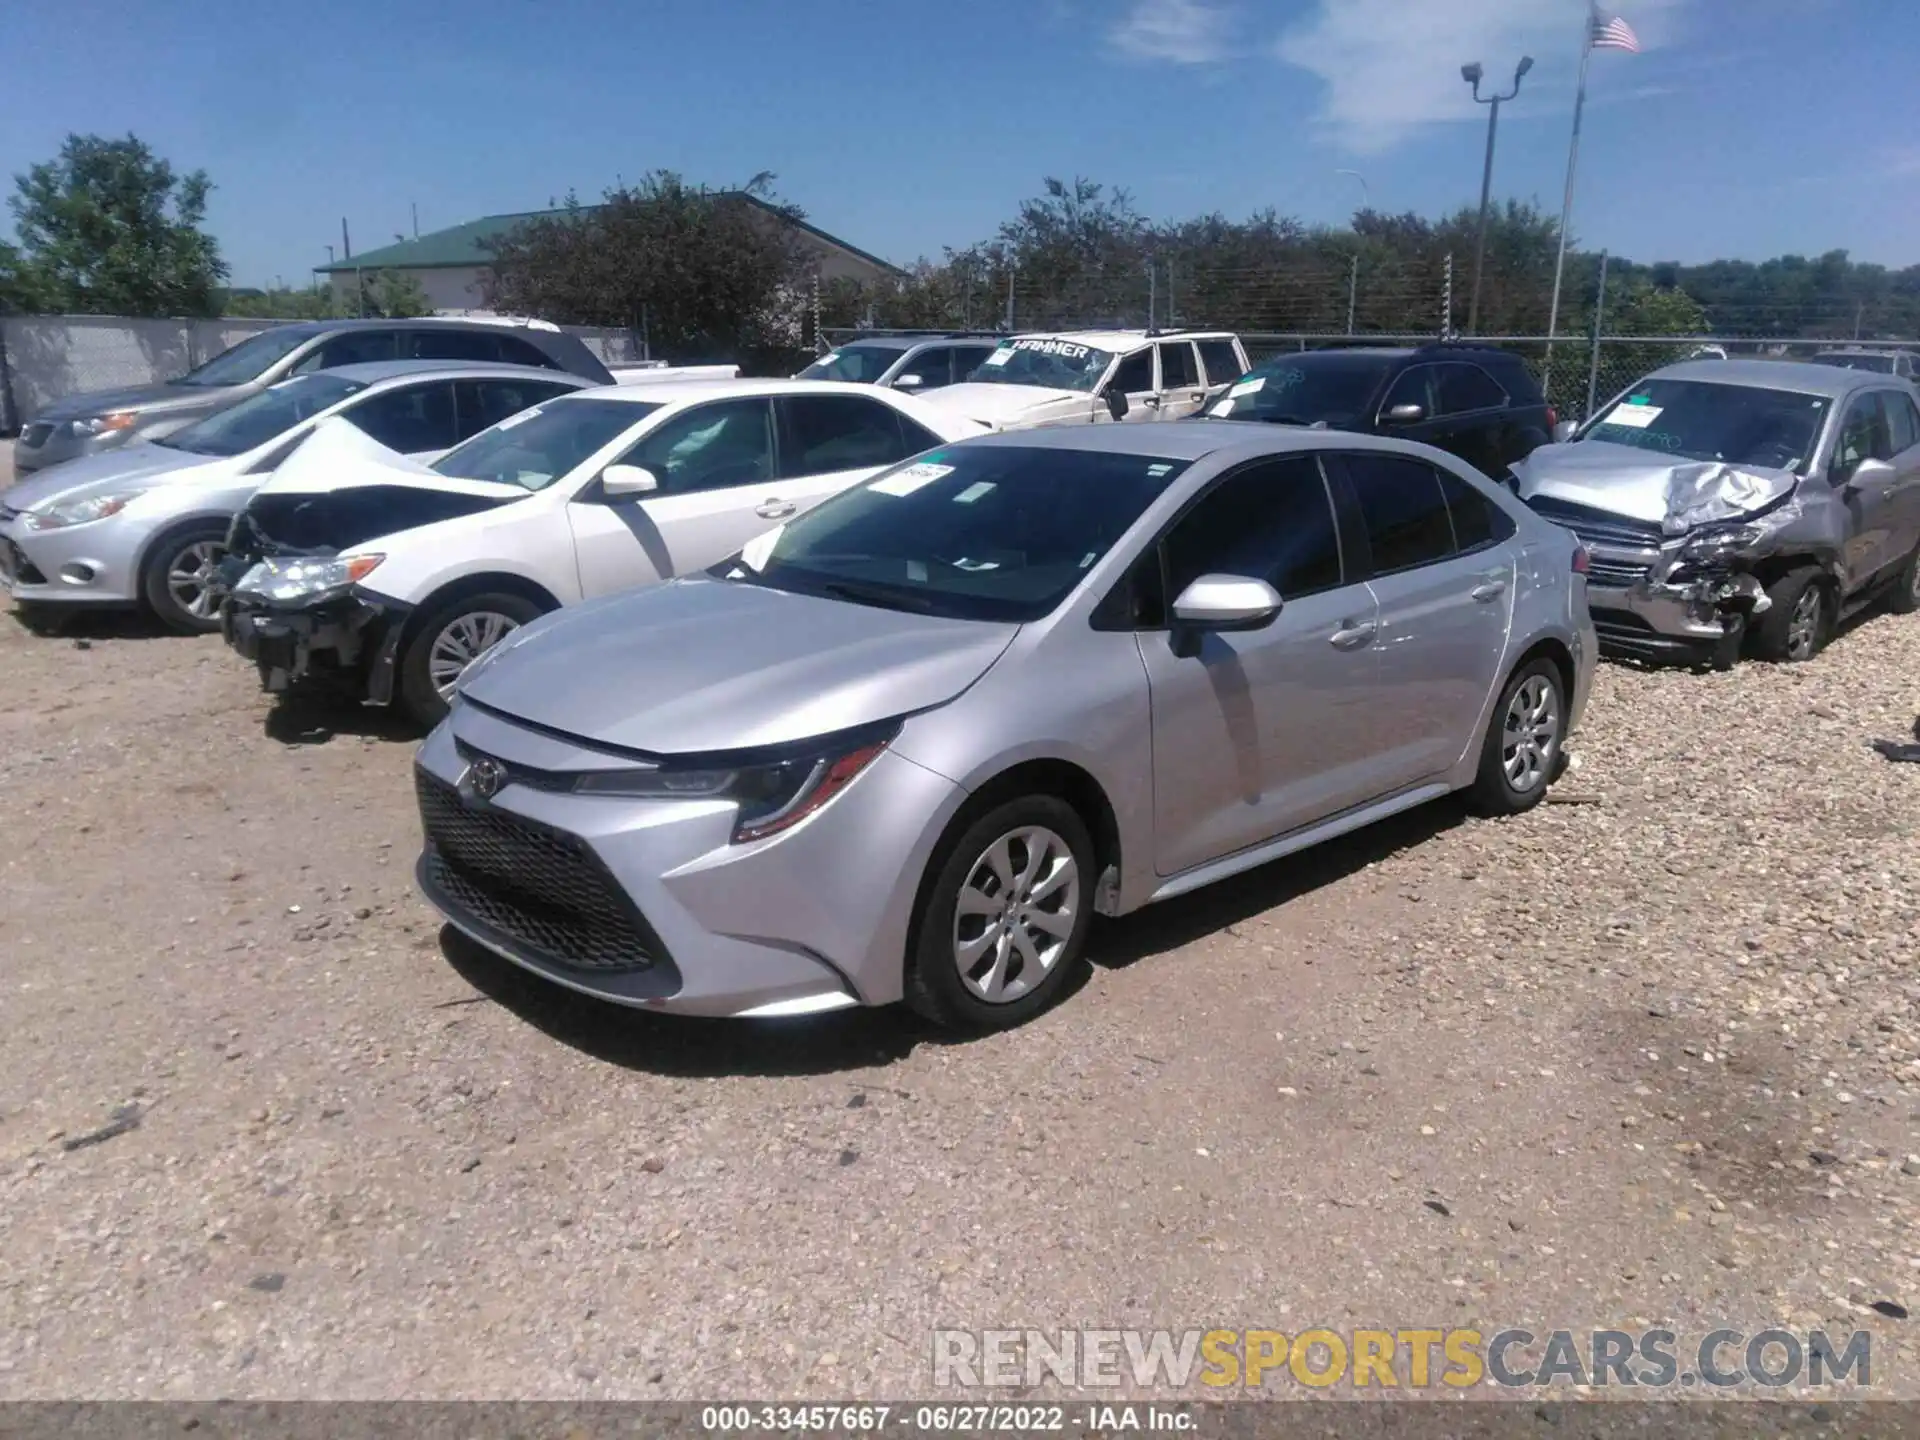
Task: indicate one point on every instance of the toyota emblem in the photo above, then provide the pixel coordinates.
(485, 777)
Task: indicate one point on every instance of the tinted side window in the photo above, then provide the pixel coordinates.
(1863, 436)
(355, 347)
(516, 351)
(1177, 368)
(1903, 421)
(449, 345)
(969, 358)
(1403, 509)
(1272, 520)
(1512, 376)
(729, 442)
(914, 436)
(1135, 375)
(1468, 387)
(485, 403)
(1221, 361)
(934, 367)
(1477, 520)
(1414, 387)
(837, 432)
(419, 417)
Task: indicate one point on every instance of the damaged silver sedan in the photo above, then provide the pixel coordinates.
(1739, 506)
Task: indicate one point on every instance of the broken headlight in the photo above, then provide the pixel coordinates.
(1719, 543)
(286, 581)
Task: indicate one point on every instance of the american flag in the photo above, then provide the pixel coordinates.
(1610, 32)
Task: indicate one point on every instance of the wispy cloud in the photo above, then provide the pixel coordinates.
(1390, 68)
(1185, 32)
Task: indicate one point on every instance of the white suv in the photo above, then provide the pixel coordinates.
(388, 577)
(1081, 377)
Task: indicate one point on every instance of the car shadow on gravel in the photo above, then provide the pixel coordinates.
(679, 1045)
(91, 623)
(300, 718)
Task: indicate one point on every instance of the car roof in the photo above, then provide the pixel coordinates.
(1120, 339)
(368, 372)
(431, 322)
(1186, 439)
(1802, 376)
(668, 392)
(1866, 350)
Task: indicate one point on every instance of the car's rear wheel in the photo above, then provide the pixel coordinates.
(1520, 755)
(1797, 623)
(178, 579)
(1005, 918)
(450, 639)
(1905, 598)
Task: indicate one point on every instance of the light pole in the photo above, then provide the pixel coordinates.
(1472, 74)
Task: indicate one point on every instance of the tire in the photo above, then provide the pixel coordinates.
(1905, 598)
(177, 576)
(471, 623)
(1797, 625)
(1520, 756)
(955, 963)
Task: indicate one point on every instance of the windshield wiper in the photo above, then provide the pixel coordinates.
(883, 596)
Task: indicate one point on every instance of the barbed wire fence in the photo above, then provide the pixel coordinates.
(1320, 305)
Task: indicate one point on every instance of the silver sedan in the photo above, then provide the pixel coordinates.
(908, 744)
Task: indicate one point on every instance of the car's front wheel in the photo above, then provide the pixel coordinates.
(447, 641)
(178, 581)
(1521, 752)
(1799, 621)
(1005, 918)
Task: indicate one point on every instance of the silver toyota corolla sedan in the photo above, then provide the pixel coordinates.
(905, 746)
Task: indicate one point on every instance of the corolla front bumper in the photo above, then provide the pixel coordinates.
(649, 903)
(342, 638)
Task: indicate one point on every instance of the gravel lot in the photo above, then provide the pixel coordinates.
(1654, 1058)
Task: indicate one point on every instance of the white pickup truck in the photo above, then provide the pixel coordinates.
(1084, 377)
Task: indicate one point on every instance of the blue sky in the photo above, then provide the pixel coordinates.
(1748, 127)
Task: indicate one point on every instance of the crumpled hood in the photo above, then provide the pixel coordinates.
(700, 665)
(133, 467)
(341, 456)
(1678, 495)
(1013, 407)
(145, 398)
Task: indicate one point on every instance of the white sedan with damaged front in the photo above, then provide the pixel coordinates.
(356, 568)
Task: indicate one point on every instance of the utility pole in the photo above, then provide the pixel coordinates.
(1599, 312)
(346, 245)
(1472, 75)
(1353, 287)
(415, 204)
(1446, 301)
(1153, 300)
(1012, 270)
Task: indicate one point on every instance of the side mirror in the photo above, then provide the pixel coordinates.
(1869, 472)
(1406, 414)
(1226, 602)
(908, 382)
(1563, 432)
(1116, 402)
(618, 480)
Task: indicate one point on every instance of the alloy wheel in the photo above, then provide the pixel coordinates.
(190, 577)
(1803, 626)
(1015, 913)
(463, 640)
(1530, 733)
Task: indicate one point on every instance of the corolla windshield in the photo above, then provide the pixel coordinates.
(263, 417)
(1334, 388)
(1699, 420)
(247, 361)
(991, 532)
(855, 364)
(1049, 364)
(536, 447)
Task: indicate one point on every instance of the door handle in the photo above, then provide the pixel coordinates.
(1352, 634)
(1490, 591)
(774, 509)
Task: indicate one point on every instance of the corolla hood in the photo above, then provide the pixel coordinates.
(700, 665)
(1678, 495)
(1013, 407)
(144, 398)
(342, 488)
(134, 467)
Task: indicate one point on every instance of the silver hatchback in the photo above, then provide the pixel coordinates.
(907, 745)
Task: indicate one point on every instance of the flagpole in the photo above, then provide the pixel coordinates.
(1566, 203)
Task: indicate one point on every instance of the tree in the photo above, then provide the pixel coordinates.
(394, 295)
(699, 272)
(109, 229)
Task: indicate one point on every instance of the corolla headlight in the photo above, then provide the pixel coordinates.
(284, 581)
(78, 512)
(103, 424)
(1718, 542)
(774, 790)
